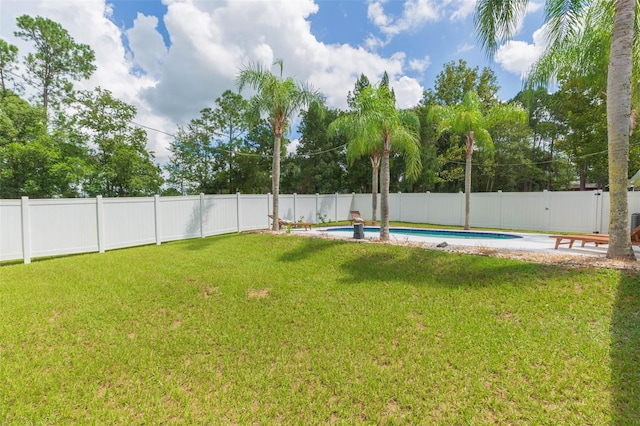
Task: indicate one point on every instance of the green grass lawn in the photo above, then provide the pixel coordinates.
(282, 329)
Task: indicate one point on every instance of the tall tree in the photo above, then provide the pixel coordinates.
(496, 21)
(451, 84)
(57, 60)
(229, 119)
(28, 154)
(8, 65)
(456, 79)
(467, 120)
(320, 159)
(547, 131)
(581, 109)
(374, 149)
(121, 165)
(376, 120)
(278, 98)
(190, 165)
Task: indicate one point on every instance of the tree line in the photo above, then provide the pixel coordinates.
(60, 142)
(561, 144)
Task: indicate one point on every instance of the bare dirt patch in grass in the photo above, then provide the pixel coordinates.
(208, 291)
(258, 294)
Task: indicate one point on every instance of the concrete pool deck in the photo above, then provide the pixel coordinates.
(529, 242)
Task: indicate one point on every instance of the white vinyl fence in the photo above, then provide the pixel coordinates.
(51, 227)
(574, 211)
(37, 228)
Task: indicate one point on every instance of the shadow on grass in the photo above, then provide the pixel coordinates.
(377, 263)
(431, 267)
(625, 352)
(306, 248)
(196, 244)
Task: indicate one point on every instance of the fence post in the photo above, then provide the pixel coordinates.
(399, 207)
(336, 209)
(500, 209)
(295, 202)
(462, 209)
(547, 208)
(26, 231)
(201, 215)
(351, 207)
(315, 220)
(238, 212)
(156, 210)
(268, 209)
(100, 223)
(428, 201)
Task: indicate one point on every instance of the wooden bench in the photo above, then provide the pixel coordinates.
(597, 239)
(285, 223)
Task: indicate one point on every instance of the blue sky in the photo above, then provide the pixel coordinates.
(171, 58)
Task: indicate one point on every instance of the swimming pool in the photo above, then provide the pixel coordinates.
(432, 233)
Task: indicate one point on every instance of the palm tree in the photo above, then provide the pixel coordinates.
(467, 120)
(375, 124)
(372, 149)
(496, 21)
(278, 98)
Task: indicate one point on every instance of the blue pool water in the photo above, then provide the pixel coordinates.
(431, 233)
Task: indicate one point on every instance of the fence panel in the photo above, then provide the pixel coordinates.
(520, 208)
(345, 202)
(253, 212)
(413, 208)
(10, 229)
(286, 207)
(362, 203)
(327, 205)
(220, 214)
(486, 209)
(446, 209)
(305, 208)
(62, 226)
(572, 211)
(129, 222)
(634, 204)
(180, 218)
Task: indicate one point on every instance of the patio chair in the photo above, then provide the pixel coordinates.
(596, 239)
(282, 223)
(356, 217)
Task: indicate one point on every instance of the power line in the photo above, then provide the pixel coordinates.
(218, 149)
(580, 157)
(313, 154)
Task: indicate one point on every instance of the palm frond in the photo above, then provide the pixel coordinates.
(497, 20)
(564, 19)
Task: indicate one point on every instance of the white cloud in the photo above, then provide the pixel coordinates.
(464, 48)
(518, 56)
(373, 43)
(375, 13)
(408, 92)
(210, 42)
(419, 65)
(415, 14)
(463, 8)
(146, 44)
(534, 6)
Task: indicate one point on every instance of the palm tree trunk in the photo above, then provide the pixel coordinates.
(384, 193)
(375, 165)
(467, 182)
(618, 121)
(275, 181)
